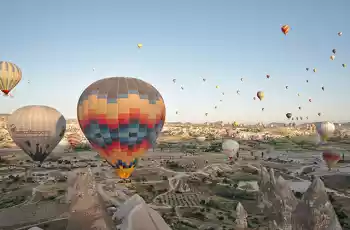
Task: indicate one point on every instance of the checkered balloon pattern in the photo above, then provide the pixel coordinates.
(122, 118)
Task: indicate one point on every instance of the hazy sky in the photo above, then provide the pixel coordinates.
(58, 43)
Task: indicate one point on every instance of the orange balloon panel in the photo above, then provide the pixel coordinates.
(122, 118)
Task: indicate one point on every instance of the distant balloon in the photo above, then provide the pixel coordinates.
(298, 94)
(299, 107)
(285, 29)
(139, 45)
(288, 115)
(334, 51)
(93, 69)
(122, 118)
(254, 98)
(322, 88)
(37, 130)
(260, 95)
(182, 88)
(310, 100)
(286, 86)
(238, 92)
(215, 107)
(174, 80)
(344, 65)
(315, 70)
(307, 81)
(332, 57)
(230, 148)
(74, 139)
(331, 158)
(204, 79)
(340, 33)
(307, 69)
(217, 86)
(10, 76)
(324, 130)
(267, 76)
(241, 78)
(206, 114)
(262, 109)
(223, 93)
(319, 114)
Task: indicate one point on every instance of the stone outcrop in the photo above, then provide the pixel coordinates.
(241, 217)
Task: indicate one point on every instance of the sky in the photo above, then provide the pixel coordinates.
(58, 43)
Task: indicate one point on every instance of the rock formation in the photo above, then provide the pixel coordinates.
(315, 211)
(241, 217)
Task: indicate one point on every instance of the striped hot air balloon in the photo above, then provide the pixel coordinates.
(285, 29)
(74, 139)
(10, 76)
(121, 117)
(324, 130)
(331, 158)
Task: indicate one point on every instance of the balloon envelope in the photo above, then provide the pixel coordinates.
(37, 130)
(260, 95)
(74, 139)
(324, 130)
(331, 158)
(122, 118)
(10, 76)
(230, 147)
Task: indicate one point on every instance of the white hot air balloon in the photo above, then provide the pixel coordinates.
(230, 148)
(324, 130)
(200, 139)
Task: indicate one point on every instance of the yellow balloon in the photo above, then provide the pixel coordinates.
(139, 45)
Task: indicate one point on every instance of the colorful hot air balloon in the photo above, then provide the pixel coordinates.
(315, 70)
(74, 139)
(332, 57)
(334, 51)
(288, 115)
(331, 158)
(37, 130)
(344, 65)
(217, 86)
(235, 124)
(10, 76)
(324, 130)
(340, 33)
(122, 118)
(230, 148)
(260, 95)
(139, 45)
(285, 29)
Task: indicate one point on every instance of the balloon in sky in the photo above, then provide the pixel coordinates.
(238, 92)
(319, 114)
(307, 69)
(230, 147)
(332, 57)
(286, 86)
(139, 45)
(334, 51)
(324, 130)
(267, 76)
(344, 65)
(241, 78)
(285, 29)
(37, 130)
(74, 139)
(310, 100)
(260, 95)
(331, 158)
(322, 88)
(204, 79)
(299, 107)
(340, 33)
(122, 118)
(182, 88)
(174, 80)
(10, 76)
(315, 70)
(217, 86)
(254, 98)
(288, 115)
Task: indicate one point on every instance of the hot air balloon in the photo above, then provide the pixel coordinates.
(344, 65)
(182, 88)
(285, 29)
(235, 124)
(37, 130)
(310, 100)
(297, 118)
(319, 114)
(288, 115)
(322, 88)
(292, 118)
(220, 100)
(307, 118)
(324, 130)
(262, 109)
(307, 81)
(174, 80)
(260, 95)
(177, 112)
(315, 70)
(230, 148)
(334, 51)
(93, 69)
(332, 57)
(286, 86)
(298, 94)
(340, 33)
(331, 158)
(122, 118)
(223, 93)
(206, 114)
(267, 76)
(217, 86)
(301, 118)
(307, 69)
(241, 78)
(215, 107)
(299, 107)
(254, 98)
(238, 92)
(204, 79)
(139, 45)
(10, 76)
(74, 139)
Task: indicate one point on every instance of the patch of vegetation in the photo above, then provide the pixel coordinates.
(11, 201)
(232, 193)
